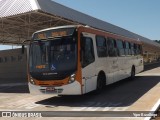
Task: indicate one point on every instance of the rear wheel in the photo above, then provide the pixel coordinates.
(133, 72)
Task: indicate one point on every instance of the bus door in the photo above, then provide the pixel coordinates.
(88, 62)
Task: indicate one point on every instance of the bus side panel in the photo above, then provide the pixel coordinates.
(124, 68)
(139, 64)
(90, 80)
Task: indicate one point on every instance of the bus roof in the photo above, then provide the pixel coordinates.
(94, 30)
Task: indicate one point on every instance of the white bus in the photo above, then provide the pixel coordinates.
(74, 60)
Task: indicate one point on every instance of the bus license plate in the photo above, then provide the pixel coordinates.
(50, 89)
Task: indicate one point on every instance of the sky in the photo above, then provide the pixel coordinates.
(139, 16)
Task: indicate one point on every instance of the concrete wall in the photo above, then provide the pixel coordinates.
(13, 66)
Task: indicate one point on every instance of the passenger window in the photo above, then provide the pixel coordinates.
(101, 46)
(132, 49)
(120, 48)
(135, 49)
(139, 50)
(87, 51)
(128, 48)
(111, 47)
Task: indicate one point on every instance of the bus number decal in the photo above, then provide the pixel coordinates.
(40, 66)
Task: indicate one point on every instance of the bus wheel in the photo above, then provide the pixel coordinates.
(100, 83)
(132, 73)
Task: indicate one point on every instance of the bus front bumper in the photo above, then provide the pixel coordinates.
(69, 89)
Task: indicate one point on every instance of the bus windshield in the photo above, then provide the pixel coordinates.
(53, 59)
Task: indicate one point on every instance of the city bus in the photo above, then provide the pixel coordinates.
(75, 60)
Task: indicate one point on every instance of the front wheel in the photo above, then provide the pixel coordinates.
(100, 84)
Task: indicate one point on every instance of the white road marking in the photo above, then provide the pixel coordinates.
(83, 108)
(95, 106)
(31, 105)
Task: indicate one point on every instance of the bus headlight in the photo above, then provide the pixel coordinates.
(32, 81)
(72, 78)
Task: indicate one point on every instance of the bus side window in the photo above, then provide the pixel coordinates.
(139, 49)
(112, 52)
(87, 51)
(128, 48)
(135, 49)
(132, 49)
(101, 46)
(120, 48)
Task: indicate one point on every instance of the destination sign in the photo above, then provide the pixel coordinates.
(59, 33)
(53, 33)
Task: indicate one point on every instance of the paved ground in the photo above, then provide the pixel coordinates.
(137, 95)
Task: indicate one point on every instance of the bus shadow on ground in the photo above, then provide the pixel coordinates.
(121, 94)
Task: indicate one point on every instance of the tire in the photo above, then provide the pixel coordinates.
(100, 83)
(133, 72)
